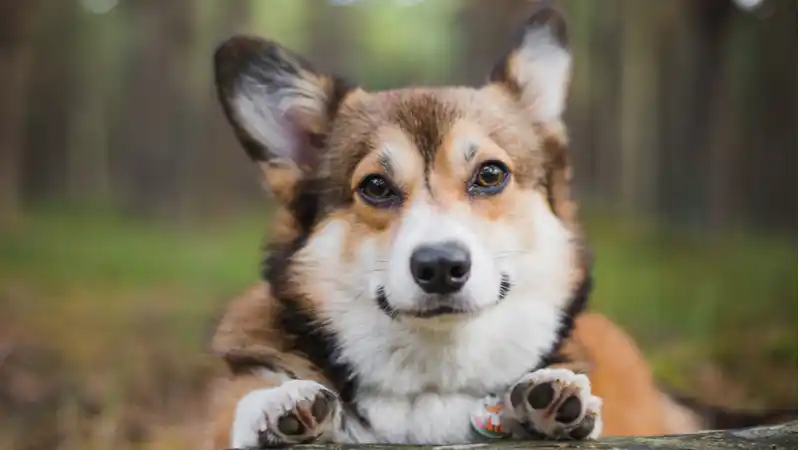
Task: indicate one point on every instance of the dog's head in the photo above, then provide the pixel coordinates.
(426, 205)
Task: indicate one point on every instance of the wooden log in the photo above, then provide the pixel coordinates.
(774, 437)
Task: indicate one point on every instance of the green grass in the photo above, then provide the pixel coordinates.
(729, 300)
(57, 249)
(132, 303)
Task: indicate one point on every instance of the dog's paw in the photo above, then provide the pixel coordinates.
(555, 404)
(295, 412)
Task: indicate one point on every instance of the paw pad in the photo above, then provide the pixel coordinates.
(306, 415)
(557, 404)
(584, 428)
(541, 396)
(569, 410)
(296, 412)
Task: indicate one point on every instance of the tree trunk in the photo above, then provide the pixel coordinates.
(16, 19)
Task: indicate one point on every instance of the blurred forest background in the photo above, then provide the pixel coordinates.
(129, 215)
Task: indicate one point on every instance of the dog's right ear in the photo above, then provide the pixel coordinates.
(279, 106)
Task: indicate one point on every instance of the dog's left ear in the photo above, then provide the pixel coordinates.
(537, 71)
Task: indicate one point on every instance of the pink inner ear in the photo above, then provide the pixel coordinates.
(304, 143)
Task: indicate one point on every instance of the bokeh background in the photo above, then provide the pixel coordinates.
(129, 215)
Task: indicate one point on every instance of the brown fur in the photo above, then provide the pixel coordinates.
(247, 337)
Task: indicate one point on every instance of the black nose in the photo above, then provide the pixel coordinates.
(441, 268)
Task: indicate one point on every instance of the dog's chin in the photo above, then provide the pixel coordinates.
(442, 309)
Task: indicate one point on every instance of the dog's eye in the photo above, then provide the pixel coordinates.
(378, 191)
(489, 179)
(490, 175)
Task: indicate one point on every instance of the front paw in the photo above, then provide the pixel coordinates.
(296, 412)
(555, 404)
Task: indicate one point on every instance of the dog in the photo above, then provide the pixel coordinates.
(427, 277)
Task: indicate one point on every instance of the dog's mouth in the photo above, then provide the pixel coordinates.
(439, 309)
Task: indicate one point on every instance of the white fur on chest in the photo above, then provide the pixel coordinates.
(427, 418)
(421, 387)
(479, 356)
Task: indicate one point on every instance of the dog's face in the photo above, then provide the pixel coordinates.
(428, 206)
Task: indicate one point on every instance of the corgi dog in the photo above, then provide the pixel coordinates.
(426, 279)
